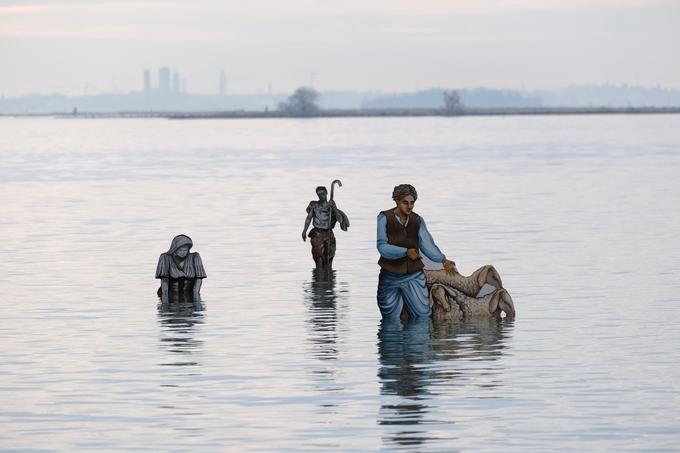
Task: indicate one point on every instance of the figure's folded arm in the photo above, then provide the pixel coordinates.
(427, 245)
(387, 250)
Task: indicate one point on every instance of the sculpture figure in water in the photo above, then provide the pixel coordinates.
(402, 235)
(324, 214)
(181, 272)
(407, 290)
(455, 296)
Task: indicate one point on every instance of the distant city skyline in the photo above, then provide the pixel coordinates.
(179, 84)
(77, 47)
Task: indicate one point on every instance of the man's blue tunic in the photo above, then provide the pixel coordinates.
(396, 289)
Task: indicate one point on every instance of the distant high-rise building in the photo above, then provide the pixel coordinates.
(164, 80)
(184, 85)
(147, 81)
(175, 82)
(223, 83)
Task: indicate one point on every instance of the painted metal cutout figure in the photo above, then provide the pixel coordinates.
(406, 290)
(402, 235)
(181, 272)
(323, 214)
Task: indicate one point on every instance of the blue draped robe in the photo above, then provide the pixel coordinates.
(395, 289)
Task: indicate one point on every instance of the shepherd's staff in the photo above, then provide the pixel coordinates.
(334, 214)
(339, 215)
(338, 182)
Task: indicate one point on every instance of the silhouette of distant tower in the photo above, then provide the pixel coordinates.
(175, 82)
(147, 81)
(164, 80)
(223, 83)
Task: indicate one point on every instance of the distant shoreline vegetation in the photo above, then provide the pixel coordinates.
(308, 102)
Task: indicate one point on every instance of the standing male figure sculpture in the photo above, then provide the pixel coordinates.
(324, 214)
(402, 236)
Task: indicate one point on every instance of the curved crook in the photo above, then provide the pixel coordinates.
(338, 182)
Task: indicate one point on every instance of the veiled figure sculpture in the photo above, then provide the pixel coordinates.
(181, 272)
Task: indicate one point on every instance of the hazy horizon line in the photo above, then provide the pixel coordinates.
(261, 92)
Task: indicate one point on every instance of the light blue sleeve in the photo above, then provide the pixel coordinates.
(427, 245)
(387, 250)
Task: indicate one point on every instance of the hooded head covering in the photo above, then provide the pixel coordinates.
(179, 241)
(171, 267)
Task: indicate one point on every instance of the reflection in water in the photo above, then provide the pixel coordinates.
(178, 321)
(418, 356)
(322, 302)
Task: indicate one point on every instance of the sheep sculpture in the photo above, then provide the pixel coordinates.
(455, 296)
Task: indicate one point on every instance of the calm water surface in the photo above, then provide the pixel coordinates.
(579, 214)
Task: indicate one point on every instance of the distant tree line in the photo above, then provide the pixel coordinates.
(303, 102)
(306, 103)
(436, 99)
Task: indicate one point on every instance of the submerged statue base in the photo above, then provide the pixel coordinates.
(455, 296)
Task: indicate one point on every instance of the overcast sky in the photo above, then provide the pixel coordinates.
(385, 45)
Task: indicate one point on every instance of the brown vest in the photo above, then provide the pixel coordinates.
(403, 237)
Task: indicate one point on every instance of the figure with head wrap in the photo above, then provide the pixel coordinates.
(324, 214)
(180, 271)
(402, 236)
